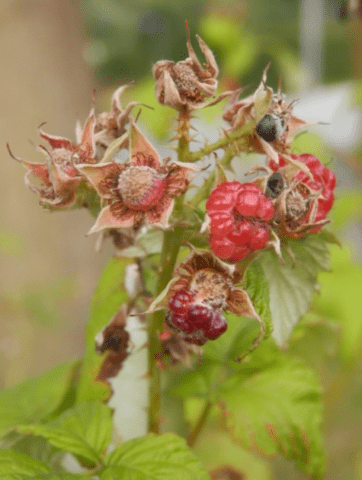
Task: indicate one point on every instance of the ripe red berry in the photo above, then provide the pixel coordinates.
(180, 302)
(238, 215)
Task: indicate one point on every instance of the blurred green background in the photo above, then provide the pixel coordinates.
(54, 53)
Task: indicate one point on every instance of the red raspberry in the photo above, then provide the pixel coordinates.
(200, 317)
(180, 302)
(238, 215)
(178, 322)
(217, 327)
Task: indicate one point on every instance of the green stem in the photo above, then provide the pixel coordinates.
(171, 246)
(204, 190)
(170, 249)
(225, 141)
(199, 425)
(183, 150)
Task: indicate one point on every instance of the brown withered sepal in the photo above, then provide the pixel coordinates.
(114, 340)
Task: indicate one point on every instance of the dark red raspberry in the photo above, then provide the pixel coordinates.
(218, 326)
(238, 215)
(199, 324)
(180, 302)
(200, 317)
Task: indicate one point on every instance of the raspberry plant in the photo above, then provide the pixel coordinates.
(224, 274)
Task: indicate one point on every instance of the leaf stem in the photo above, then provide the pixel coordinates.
(199, 425)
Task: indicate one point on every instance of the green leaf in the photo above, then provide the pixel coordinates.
(201, 382)
(234, 342)
(108, 298)
(291, 287)
(84, 430)
(154, 457)
(36, 399)
(340, 299)
(14, 465)
(277, 410)
(258, 291)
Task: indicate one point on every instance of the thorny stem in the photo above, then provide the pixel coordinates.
(183, 120)
(226, 141)
(171, 246)
(200, 424)
(230, 152)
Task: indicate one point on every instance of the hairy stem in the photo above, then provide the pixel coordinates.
(199, 425)
(227, 140)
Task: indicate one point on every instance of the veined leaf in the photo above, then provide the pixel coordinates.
(36, 399)
(153, 457)
(14, 466)
(84, 430)
(277, 410)
(108, 298)
(291, 286)
(258, 290)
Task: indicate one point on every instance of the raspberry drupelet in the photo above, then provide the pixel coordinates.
(238, 215)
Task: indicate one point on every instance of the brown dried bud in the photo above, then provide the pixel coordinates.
(58, 178)
(187, 82)
(111, 125)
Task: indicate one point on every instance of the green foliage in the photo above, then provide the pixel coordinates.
(277, 410)
(36, 399)
(258, 290)
(108, 298)
(161, 457)
(292, 286)
(16, 466)
(84, 430)
(340, 299)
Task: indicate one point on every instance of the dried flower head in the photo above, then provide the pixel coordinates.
(275, 122)
(58, 177)
(304, 202)
(301, 201)
(111, 125)
(140, 190)
(211, 283)
(187, 82)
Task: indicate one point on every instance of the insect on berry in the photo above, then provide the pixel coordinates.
(270, 127)
(275, 185)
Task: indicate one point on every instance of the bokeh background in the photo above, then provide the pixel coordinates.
(54, 53)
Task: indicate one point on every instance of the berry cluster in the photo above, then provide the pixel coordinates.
(197, 321)
(238, 215)
(324, 181)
